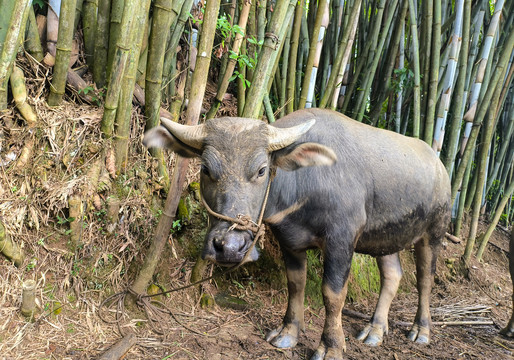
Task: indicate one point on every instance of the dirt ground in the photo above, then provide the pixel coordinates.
(75, 331)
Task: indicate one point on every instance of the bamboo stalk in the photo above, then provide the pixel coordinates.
(459, 98)
(223, 85)
(33, 41)
(119, 65)
(499, 71)
(267, 56)
(316, 42)
(115, 18)
(89, 13)
(101, 43)
(341, 58)
(415, 63)
(16, 28)
(124, 112)
(434, 73)
(497, 214)
(181, 9)
(28, 299)
(181, 165)
(63, 51)
(293, 55)
(154, 69)
(375, 57)
(472, 116)
(444, 104)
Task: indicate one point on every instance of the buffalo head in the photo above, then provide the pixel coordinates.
(236, 157)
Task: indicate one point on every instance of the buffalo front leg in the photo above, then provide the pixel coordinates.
(390, 276)
(334, 289)
(426, 256)
(286, 336)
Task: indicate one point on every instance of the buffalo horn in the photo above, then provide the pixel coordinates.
(279, 138)
(189, 135)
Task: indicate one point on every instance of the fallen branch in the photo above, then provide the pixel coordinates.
(118, 350)
(454, 239)
(359, 315)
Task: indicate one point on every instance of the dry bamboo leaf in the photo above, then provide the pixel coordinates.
(110, 162)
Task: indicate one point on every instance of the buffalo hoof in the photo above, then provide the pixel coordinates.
(327, 353)
(372, 335)
(419, 334)
(508, 331)
(285, 337)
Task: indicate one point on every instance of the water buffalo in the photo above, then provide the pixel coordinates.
(509, 329)
(341, 186)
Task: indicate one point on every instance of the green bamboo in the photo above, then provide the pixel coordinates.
(506, 136)
(124, 111)
(425, 48)
(266, 60)
(33, 42)
(315, 34)
(179, 173)
(476, 114)
(119, 65)
(63, 52)
(241, 83)
(251, 30)
(500, 70)
(115, 32)
(434, 73)
(89, 12)
(344, 46)
(199, 80)
(155, 62)
(462, 200)
(497, 214)
(78, 12)
(229, 70)
(293, 55)
(261, 19)
(228, 8)
(384, 85)
(375, 57)
(284, 72)
(181, 9)
(415, 65)
(101, 43)
(10, 45)
(458, 98)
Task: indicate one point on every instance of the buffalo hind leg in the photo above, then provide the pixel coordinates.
(426, 256)
(286, 336)
(390, 276)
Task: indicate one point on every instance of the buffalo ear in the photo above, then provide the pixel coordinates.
(160, 137)
(303, 155)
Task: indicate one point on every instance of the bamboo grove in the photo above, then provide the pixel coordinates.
(438, 70)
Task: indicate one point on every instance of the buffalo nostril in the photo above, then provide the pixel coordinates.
(218, 243)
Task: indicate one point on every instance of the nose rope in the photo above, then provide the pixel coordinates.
(155, 313)
(244, 222)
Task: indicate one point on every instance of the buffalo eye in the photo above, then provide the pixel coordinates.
(205, 170)
(262, 171)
